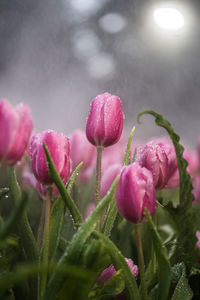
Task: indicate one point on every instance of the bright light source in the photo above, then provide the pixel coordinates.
(168, 18)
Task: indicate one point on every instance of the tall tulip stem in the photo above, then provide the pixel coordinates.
(141, 261)
(46, 239)
(98, 174)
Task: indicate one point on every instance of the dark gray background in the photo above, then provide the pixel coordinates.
(57, 55)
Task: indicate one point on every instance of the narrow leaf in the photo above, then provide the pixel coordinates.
(164, 275)
(61, 187)
(56, 224)
(128, 148)
(57, 215)
(109, 218)
(73, 177)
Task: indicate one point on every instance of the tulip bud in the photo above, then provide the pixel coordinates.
(82, 150)
(15, 129)
(110, 271)
(173, 172)
(135, 192)
(105, 120)
(108, 178)
(153, 157)
(58, 146)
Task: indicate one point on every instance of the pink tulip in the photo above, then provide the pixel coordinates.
(108, 177)
(58, 146)
(15, 129)
(153, 157)
(110, 271)
(193, 161)
(113, 155)
(82, 150)
(173, 172)
(105, 120)
(196, 189)
(135, 191)
(198, 239)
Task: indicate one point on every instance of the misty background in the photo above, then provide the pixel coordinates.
(56, 56)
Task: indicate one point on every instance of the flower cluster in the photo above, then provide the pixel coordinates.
(94, 179)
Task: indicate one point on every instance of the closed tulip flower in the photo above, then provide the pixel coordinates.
(153, 157)
(105, 120)
(58, 146)
(135, 192)
(173, 172)
(15, 129)
(110, 271)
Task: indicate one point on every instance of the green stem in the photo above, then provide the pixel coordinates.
(98, 174)
(24, 228)
(141, 261)
(153, 251)
(46, 239)
(41, 226)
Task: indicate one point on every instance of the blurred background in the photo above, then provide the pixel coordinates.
(56, 56)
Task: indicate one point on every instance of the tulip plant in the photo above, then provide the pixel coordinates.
(93, 217)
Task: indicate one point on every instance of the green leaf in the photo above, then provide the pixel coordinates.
(184, 215)
(74, 250)
(182, 290)
(61, 187)
(164, 267)
(73, 177)
(120, 263)
(24, 229)
(13, 220)
(57, 215)
(94, 251)
(56, 224)
(128, 148)
(109, 218)
(134, 155)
